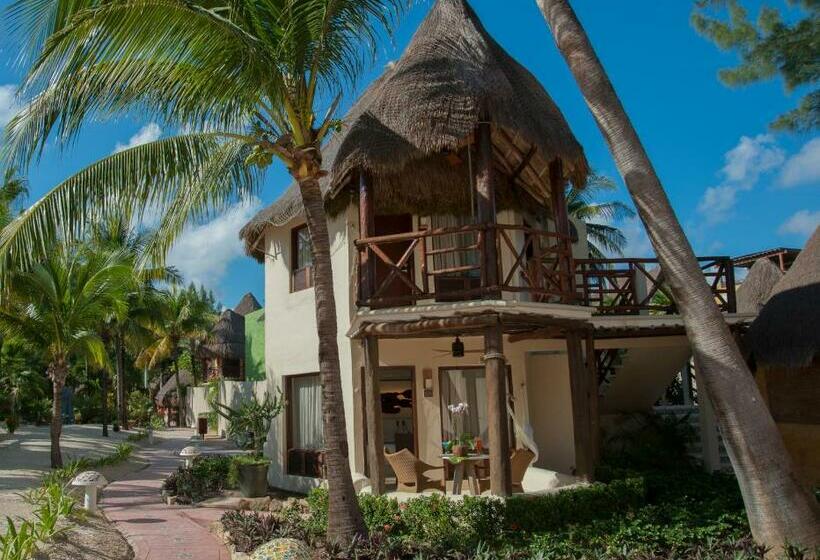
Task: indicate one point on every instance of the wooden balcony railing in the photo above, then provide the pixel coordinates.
(631, 286)
(452, 265)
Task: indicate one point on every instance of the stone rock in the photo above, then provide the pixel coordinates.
(255, 504)
(282, 549)
(275, 506)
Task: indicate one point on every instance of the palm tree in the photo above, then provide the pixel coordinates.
(12, 190)
(250, 81)
(180, 317)
(780, 510)
(603, 239)
(56, 307)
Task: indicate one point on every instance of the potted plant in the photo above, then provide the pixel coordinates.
(250, 424)
(461, 442)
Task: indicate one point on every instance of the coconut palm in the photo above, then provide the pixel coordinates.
(180, 317)
(603, 238)
(56, 307)
(12, 190)
(779, 508)
(248, 82)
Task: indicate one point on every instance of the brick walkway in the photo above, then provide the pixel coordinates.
(155, 530)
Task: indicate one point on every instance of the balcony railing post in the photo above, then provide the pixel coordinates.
(731, 295)
(367, 228)
(566, 273)
(425, 280)
(485, 195)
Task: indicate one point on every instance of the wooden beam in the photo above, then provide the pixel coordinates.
(525, 161)
(559, 210)
(367, 228)
(373, 415)
(541, 333)
(592, 393)
(485, 203)
(579, 376)
(496, 376)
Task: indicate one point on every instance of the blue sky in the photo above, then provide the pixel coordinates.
(735, 187)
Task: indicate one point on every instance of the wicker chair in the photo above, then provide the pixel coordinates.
(520, 460)
(410, 472)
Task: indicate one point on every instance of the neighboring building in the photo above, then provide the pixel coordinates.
(236, 345)
(782, 257)
(448, 227)
(783, 349)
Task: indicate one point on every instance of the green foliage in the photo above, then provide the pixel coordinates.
(19, 541)
(140, 408)
(62, 476)
(249, 424)
(207, 478)
(776, 44)
(603, 239)
(247, 530)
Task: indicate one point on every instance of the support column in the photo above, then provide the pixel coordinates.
(485, 202)
(578, 380)
(367, 228)
(709, 435)
(495, 366)
(559, 209)
(373, 415)
(592, 392)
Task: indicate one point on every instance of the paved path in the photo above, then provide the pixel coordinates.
(155, 530)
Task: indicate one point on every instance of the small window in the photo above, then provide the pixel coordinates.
(302, 259)
(305, 443)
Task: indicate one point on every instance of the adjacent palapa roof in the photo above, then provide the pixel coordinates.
(756, 288)
(248, 304)
(786, 333)
(227, 338)
(409, 129)
(788, 254)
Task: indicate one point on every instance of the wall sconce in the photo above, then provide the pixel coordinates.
(427, 378)
(458, 348)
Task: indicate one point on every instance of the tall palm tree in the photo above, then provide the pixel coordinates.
(251, 82)
(779, 508)
(180, 317)
(603, 238)
(56, 307)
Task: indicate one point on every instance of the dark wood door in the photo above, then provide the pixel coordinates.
(399, 292)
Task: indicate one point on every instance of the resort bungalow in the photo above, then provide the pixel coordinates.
(460, 278)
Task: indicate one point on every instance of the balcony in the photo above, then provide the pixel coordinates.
(452, 264)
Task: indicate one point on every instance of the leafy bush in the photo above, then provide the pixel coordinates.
(63, 475)
(19, 541)
(249, 424)
(207, 478)
(246, 531)
(140, 408)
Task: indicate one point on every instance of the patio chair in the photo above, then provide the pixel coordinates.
(520, 460)
(411, 472)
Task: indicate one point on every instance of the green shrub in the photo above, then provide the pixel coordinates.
(205, 479)
(19, 541)
(246, 531)
(140, 408)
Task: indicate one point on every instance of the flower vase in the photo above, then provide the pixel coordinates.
(460, 450)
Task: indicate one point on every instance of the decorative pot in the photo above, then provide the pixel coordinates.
(460, 450)
(253, 480)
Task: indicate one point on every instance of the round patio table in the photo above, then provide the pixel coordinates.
(466, 466)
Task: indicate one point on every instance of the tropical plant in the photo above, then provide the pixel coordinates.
(251, 421)
(19, 541)
(603, 238)
(19, 385)
(246, 82)
(178, 318)
(778, 43)
(56, 307)
(13, 189)
(779, 508)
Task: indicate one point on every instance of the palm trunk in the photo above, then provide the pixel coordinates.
(122, 394)
(345, 521)
(104, 391)
(779, 508)
(179, 393)
(57, 372)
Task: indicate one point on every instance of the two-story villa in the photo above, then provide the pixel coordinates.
(460, 277)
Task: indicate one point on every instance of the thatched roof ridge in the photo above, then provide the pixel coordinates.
(227, 338)
(756, 288)
(428, 103)
(248, 304)
(786, 333)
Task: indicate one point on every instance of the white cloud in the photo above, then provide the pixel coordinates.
(8, 103)
(803, 167)
(148, 133)
(744, 165)
(637, 242)
(801, 223)
(203, 252)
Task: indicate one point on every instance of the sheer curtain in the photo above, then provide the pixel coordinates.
(468, 386)
(306, 400)
(456, 258)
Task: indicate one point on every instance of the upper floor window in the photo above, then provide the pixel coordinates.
(301, 259)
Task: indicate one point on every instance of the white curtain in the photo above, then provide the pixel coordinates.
(456, 258)
(468, 386)
(306, 400)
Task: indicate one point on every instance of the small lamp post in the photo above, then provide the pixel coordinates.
(90, 481)
(189, 454)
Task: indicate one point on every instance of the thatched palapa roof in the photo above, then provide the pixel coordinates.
(756, 288)
(410, 130)
(248, 304)
(227, 338)
(786, 333)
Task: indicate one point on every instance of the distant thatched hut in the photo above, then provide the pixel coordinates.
(248, 304)
(757, 287)
(225, 349)
(783, 345)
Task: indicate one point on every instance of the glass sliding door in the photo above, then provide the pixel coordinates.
(464, 385)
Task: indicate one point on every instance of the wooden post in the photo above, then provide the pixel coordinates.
(373, 415)
(578, 380)
(367, 228)
(592, 392)
(485, 194)
(495, 371)
(559, 209)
